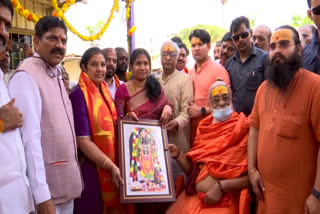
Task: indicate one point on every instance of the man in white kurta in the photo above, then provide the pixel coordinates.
(15, 195)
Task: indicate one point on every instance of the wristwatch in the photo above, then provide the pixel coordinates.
(203, 111)
(315, 193)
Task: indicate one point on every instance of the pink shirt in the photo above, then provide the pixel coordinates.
(204, 78)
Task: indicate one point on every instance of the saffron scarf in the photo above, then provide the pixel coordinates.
(102, 117)
(117, 81)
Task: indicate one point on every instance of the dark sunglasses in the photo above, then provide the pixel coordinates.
(243, 35)
(316, 10)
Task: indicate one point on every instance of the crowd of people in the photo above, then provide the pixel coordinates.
(243, 126)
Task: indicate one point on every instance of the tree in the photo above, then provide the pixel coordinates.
(298, 21)
(93, 29)
(216, 33)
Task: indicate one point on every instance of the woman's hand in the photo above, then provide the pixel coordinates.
(214, 195)
(132, 115)
(174, 150)
(166, 115)
(116, 178)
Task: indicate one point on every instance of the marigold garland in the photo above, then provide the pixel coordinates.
(24, 12)
(128, 8)
(132, 30)
(60, 14)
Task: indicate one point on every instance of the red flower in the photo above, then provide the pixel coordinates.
(30, 16)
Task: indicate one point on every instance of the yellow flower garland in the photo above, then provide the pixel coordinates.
(60, 14)
(128, 9)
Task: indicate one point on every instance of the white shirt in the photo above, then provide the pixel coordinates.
(28, 101)
(113, 87)
(15, 195)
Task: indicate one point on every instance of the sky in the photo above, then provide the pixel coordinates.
(156, 20)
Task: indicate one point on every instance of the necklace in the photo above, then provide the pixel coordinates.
(136, 88)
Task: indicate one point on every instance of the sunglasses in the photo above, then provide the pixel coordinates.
(316, 10)
(242, 35)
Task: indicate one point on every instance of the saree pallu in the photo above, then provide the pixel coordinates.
(102, 118)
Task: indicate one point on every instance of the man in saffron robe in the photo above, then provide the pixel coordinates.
(283, 144)
(217, 161)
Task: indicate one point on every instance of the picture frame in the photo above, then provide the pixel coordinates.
(144, 164)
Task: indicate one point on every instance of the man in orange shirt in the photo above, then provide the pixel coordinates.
(283, 144)
(204, 74)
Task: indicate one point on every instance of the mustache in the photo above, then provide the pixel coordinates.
(4, 41)
(110, 67)
(180, 60)
(278, 55)
(57, 51)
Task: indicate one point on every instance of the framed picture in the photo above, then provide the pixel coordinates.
(144, 164)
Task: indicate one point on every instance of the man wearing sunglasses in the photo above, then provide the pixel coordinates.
(311, 53)
(284, 137)
(245, 67)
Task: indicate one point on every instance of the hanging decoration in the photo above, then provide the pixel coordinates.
(59, 12)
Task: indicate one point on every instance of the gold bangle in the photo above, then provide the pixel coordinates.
(105, 162)
(1, 126)
(252, 171)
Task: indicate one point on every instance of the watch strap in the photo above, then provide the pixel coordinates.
(315, 193)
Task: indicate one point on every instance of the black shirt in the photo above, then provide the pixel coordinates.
(311, 55)
(245, 78)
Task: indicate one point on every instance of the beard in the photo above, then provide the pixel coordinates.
(108, 73)
(121, 69)
(282, 73)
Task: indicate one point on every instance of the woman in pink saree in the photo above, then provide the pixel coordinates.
(142, 97)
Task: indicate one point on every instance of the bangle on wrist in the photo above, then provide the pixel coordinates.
(1, 126)
(252, 171)
(220, 186)
(105, 162)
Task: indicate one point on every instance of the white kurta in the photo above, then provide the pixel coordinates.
(15, 194)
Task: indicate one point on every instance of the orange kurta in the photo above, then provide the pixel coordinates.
(289, 132)
(202, 79)
(222, 149)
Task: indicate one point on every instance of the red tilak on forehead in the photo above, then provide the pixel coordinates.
(60, 36)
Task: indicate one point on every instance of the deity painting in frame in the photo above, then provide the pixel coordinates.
(144, 164)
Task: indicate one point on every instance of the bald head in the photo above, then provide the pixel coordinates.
(111, 61)
(261, 37)
(306, 33)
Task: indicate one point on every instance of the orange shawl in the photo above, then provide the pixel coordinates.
(222, 147)
(117, 81)
(102, 116)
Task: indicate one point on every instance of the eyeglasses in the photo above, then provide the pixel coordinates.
(171, 54)
(283, 44)
(243, 35)
(316, 10)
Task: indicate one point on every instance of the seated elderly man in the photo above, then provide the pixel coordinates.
(217, 161)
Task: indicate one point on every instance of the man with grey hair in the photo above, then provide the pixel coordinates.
(261, 37)
(178, 89)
